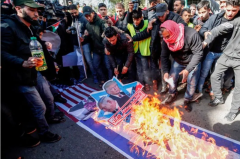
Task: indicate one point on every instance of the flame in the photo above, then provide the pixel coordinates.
(157, 135)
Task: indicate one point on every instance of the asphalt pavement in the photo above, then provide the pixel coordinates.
(77, 143)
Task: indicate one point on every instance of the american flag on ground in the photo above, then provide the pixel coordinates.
(74, 94)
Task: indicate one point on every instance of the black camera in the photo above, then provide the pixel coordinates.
(136, 4)
(72, 29)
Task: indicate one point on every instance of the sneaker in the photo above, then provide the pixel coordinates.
(49, 137)
(29, 141)
(164, 90)
(187, 105)
(196, 96)
(230, 116)
(215, 102)
(171, 98)
(60, 99)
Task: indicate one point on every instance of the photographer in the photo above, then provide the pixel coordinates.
(82, 21)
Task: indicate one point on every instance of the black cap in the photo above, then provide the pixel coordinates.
(87, 10)
(161, 9)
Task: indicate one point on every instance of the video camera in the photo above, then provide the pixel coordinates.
(51, 10)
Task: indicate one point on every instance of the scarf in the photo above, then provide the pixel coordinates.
(176, 40)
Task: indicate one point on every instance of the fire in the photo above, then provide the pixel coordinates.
(164, 139)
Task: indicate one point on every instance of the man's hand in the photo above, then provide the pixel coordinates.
(31, 62)
(129, 38)
(86, 33)
(124, 70)
(206, 34)
(116, 71)
(68, 31)
(130, 6)
(150, 26)
(204, 44)
(56, 67)
(185, 75)
(107, 52)
(48, 45)
(81, 39)
(197, 27)
(166, 76)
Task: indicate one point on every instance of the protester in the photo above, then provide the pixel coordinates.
(178, 6)
(162, 14)
(20, 72)
(121, 21)
(141, 48)
(216, 49)
(102, 9)
(184, 45)
(229, 59)
(186, 15)
(119, 51)
(95, 28)
(203, 15)
(193, 8)
(82, 21)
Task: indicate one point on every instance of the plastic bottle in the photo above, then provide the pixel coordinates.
(36, 50)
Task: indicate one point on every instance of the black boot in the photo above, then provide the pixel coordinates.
(60, 99)
(187, 105)
(49, 137)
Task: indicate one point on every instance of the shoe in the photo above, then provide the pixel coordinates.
(164, 90)
(146, 87)
(49, 137)
(56, 119)
(215, 102)
(155, 85)
(230, 116)
(187, 105)
(95, 80)
(60, 99)
(196, 96)
(171, 98)
(29, 141)
(61, 114)
(81, 79)
(30, 130)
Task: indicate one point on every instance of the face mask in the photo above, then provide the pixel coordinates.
(29, 19)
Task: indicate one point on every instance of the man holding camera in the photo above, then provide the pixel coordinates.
(81, 22)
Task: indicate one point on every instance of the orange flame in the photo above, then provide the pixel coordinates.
(159, 137)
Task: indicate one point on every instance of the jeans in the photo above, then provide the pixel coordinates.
(206, 67)
(98, 61)
(192, 79)
(88, 58)
(143, 68)
(41, 101)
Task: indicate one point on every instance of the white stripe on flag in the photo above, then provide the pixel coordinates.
(82, 90)
(77, 93)
(90, 89)
(72, 97)
(62, 106)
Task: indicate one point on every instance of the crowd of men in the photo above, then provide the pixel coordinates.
(162, 47)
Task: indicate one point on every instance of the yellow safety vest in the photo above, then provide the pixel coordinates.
(143, 45)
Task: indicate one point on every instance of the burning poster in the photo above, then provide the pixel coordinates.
(116, 100)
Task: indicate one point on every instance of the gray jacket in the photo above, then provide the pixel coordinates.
(233, 47)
